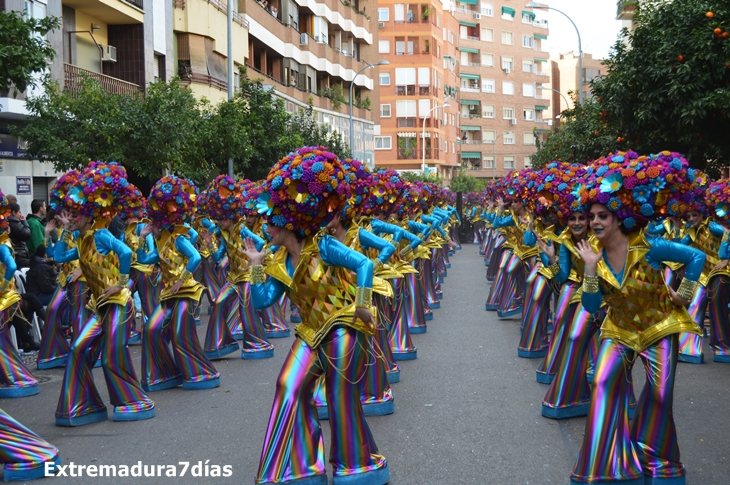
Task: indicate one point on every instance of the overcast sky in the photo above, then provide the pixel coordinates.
(595, 19)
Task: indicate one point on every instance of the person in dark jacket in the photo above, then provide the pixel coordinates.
(19, 236)
(41, 278)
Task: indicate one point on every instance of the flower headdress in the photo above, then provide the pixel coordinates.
(134, 205)
(639, 188)
(4, 212)
(359, 182)
(224, 198)
(698, 191)
(171, 201)
(557, 187)
(305, 190)
(250, 192)
(718, 198)
(98, 189)
(59, 192)
(387, 190)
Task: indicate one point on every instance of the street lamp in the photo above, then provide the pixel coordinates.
(494, 154)
(580, 47)
(229, 24)
(567, 105)
(352, 83)
(423, 135)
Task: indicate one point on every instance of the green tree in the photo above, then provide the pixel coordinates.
(24, 50)
(581, 136)
(466, 183)
(305, 130)
(668, 89)
(420, 177)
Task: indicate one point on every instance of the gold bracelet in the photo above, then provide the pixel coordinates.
(377, 264)
(186, 275)
(213, 245)
(257, 274)
(687, 289)
(363, 297)
(406, 251)
(67, 236)
(590, 284)
(123, 280)
(554, 268)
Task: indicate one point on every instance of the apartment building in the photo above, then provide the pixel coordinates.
(417, 129)
(625, 12)
(503, 63)
(315, 51)
(566, 77)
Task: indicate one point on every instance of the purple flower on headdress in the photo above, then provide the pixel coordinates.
(603, 197)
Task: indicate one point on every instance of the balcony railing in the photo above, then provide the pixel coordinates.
(406, 122)
(409, 90)
(625, 9)
(407, 154)
(72, 76)
(470, 90)
(472, 142)
(470, 37)
(136, 3)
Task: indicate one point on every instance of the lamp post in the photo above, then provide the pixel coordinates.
(580, 47)
(229, 19)
(423, 135)
(494, 155)
(352, 124)
(567, 105)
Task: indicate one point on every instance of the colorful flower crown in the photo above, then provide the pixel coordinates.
(305, 190)
(58, 196)
(718, 199)
(557, 187)
(171, 201)
(4, 212)
(134, 205)
(250, 192)
(97, 190)
(359, 182)
(698, 191)
(386, 192)
(639, 188)
(224, 199)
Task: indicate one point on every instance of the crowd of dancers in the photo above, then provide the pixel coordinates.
(359, 256)
(620, 258)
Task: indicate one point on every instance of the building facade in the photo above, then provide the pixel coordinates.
(566, 78)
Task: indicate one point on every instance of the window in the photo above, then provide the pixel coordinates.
(509, 163)
(385, 79)
(487, 34)
(508, 113)
(528, 114)
(508, 13)
(508, 138)
(424, 107)
(398, 12)
(383, 14)
(488, 161)
(405, 109)
(527, 19)
(528, 138)
(407, 147)
(528, 162)
(528, 90)
(463, 31)
(383, 142)
(507, 38)
(445, 34)
(446, 150)
(528, 41)
(488, 136)
(384, 47)
(527, 65)
(508, 87)
(488, 85)
(451, 37)
(405, 81)
(487, 60)
(487, 9)
(487, 111)
(507, 63)
(385, 111)
(400, 47)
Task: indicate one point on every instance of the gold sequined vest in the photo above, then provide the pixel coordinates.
(173, 264)
(8, 297)
(237, 262)
(203, 248)
(68, 267)
(703, 240)
(132, 240)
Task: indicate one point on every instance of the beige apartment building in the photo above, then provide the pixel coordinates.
(566, 76)
(417, 129)
(503, 63)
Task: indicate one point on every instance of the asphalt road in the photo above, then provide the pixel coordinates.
(467, 411)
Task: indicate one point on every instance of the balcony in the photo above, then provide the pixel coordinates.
(407, 154)
(625, 9)
(542, 24)
(73, 75)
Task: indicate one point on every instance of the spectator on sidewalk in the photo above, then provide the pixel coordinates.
(19, 236)
(41, 278)
(37, 224)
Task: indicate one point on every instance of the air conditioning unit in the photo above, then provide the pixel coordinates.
(513, 121)
(477, 16)
(506, 70)
(108, 53)
(381, 25)
(303, 39)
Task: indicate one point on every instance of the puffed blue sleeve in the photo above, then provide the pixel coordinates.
(265, 232)
(686, 240)
(264, 295)
(529, 239)
(435, 223)
(655, 229)
(7, 259)
(716, 229)
(152, 257)
(107, 243)
(63, 255)
(502, 221)
(489, 216)
(334, 253)
(380, 227)
(185, 246)
(49, 247)
(258, 241)
(368, 240)
(565, 258)
(544, 259)
(193, 235)
(668, 251)
(417, 227)
(591, 301)
(724, 252)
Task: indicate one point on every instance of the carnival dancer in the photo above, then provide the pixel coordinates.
(105, 262)
(706, 235)
(225, 202)
(305, 191)
(26, 455)
(644, 316)
(68, 303)
(171, 200)
(16, 379)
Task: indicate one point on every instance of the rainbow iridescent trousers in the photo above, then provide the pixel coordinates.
(535, 315)
(505, 257)
(67, 302)
(719, 288)
(274, 320)
(16, 379)
(400, 336)
(148, 287)
(80, 402)
(23, 452)
(173, 320)
(564, 313)
(293, 448)
(413, 308)
(615, 450)
(495, 248)
(513, 287)
(382, 334)
(210, 278)
(690, 345)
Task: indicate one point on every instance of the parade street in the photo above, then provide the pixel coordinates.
(467, 411)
